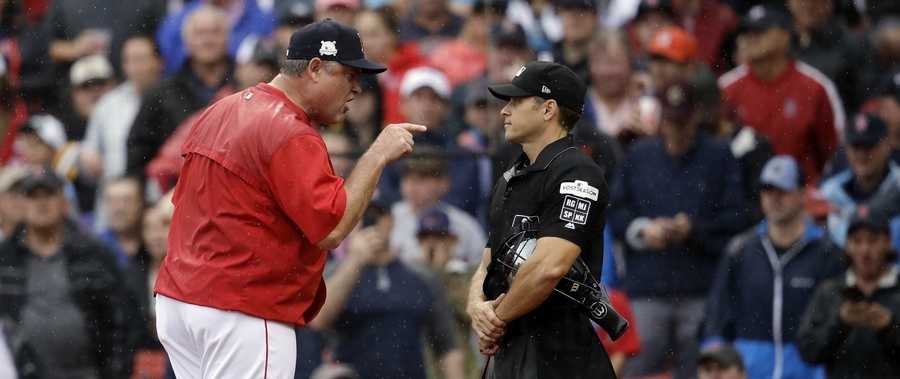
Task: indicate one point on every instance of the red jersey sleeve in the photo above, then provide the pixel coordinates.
(306, 188)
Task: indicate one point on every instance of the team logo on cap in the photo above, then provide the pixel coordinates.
(861, 123)
(328, 48)
(521, 70)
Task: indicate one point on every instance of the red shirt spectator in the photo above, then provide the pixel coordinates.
(799, 111)
(710, 23)
(406, 58)
(247, 220)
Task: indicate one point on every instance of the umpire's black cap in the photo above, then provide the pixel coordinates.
(331, 41)
(547, 80)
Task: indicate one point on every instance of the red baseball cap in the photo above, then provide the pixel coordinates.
(673, 43)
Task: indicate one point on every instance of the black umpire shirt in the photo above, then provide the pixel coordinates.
(562, 194)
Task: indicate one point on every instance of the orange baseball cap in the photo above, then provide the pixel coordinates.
(673, 43)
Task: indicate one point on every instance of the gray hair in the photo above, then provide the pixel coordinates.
(296, 67)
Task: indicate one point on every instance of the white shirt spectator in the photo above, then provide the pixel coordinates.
(108, 128)
(470, 236)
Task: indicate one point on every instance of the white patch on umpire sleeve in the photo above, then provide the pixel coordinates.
(579, 188)
(575, 211)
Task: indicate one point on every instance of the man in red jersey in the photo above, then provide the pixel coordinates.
(791, 103)
(257, 206)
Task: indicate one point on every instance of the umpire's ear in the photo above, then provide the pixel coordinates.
(551, 109)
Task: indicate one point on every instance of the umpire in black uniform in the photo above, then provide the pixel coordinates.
(558, 193)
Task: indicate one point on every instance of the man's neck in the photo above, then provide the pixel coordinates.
(869, 283)
(45, 242)
(786, 234)
(283, 83)
(211, 74)
(771, 68)
(870, 184)
(533, 149)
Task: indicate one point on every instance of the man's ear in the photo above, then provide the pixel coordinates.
(314, 69)
(551, 109)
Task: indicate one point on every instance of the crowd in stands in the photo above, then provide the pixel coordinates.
(751, 148)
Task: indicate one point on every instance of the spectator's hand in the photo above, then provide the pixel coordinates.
(654, 234)
(364, 245)
(679, 228)
(488, 327)
(395, 141)
(90, 42)
(854, 313)
(877, 316)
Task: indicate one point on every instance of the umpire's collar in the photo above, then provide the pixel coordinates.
(547, 155)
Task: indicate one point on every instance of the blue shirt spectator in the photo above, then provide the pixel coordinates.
(249, 21)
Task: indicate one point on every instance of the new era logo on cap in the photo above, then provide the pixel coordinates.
(545, 89)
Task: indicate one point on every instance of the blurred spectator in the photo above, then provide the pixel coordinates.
(381, 42)
(123, 204)
(334, 371)
(91, 78)
(41, 141)
(768, 276)
(819, 40)
(879, 10)
(884, 53)
(852, 325)
(22, 71)
(672, 52)
(651, 17)
(242, 19)
(752, 151)
(424, 183)
(380, 307)
(207, 72)
(711, 22)
(871, 177)
(292, 17)
(340, 152)
(788, 101)
(628, 345)
(465, 58)
(425, 95)
(103, 150)
(78, 28)
(256, 62)
(887, 107)
(63, 294)
(430, 22)
(720, 363)
(612, 105)
(12, 207)
(676, 202)
(342, 11)
(538, 20)
(579, 23)
(509, 52)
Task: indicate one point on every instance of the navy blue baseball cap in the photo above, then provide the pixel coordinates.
(331, 41)
(761, 18)
(866, 130)
(434, 221)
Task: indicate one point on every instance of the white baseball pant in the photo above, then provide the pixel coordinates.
(204, 342)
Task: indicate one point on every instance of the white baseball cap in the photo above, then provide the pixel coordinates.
(48, 129)
(89, 68)
(421, 77)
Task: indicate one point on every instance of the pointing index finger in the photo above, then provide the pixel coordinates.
(413, 128)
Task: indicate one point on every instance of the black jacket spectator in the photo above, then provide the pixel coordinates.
(163, 109)
(840, 56)
(97, 291)
(845, 351)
